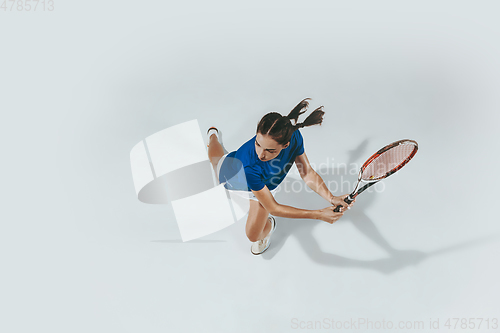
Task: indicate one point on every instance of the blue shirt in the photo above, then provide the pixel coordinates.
(243, 170)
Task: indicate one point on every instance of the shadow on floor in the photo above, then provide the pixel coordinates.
(302, 230)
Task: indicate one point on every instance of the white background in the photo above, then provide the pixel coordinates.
(81, 85)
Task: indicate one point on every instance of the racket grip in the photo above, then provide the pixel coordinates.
(347, 200)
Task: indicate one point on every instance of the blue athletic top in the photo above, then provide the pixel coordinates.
(257, 173)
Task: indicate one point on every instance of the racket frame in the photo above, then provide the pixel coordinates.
(370, 182)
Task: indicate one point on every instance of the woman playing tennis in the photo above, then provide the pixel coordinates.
(265, 160)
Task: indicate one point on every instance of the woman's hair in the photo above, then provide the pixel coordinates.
(280, 127)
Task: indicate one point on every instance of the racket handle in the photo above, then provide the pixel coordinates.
(347, 200)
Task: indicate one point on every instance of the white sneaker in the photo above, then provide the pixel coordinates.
(262, 245)
(212, 130)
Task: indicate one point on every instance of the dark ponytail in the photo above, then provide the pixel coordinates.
(280, 127)
(315, 118)
(296, 112)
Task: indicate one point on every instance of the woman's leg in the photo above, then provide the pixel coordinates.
(258, 225)
(215, 151)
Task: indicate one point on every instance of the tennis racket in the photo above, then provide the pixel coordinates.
(381, 165)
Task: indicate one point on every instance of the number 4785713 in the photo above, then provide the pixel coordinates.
(471, 323)
(27, 5)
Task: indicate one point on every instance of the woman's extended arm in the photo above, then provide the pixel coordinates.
(266, 199)
(315, 182)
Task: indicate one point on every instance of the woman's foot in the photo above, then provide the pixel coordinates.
(211, 132)
(262, 245)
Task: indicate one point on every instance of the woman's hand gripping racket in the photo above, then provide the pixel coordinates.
(382, 164)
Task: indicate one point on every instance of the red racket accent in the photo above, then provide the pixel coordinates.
(388, 160)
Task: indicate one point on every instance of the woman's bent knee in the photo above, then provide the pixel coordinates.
(252, 233)
(256, 221)
(254, 229)
(252, 238)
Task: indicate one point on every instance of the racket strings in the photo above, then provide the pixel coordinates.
(388, 161)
